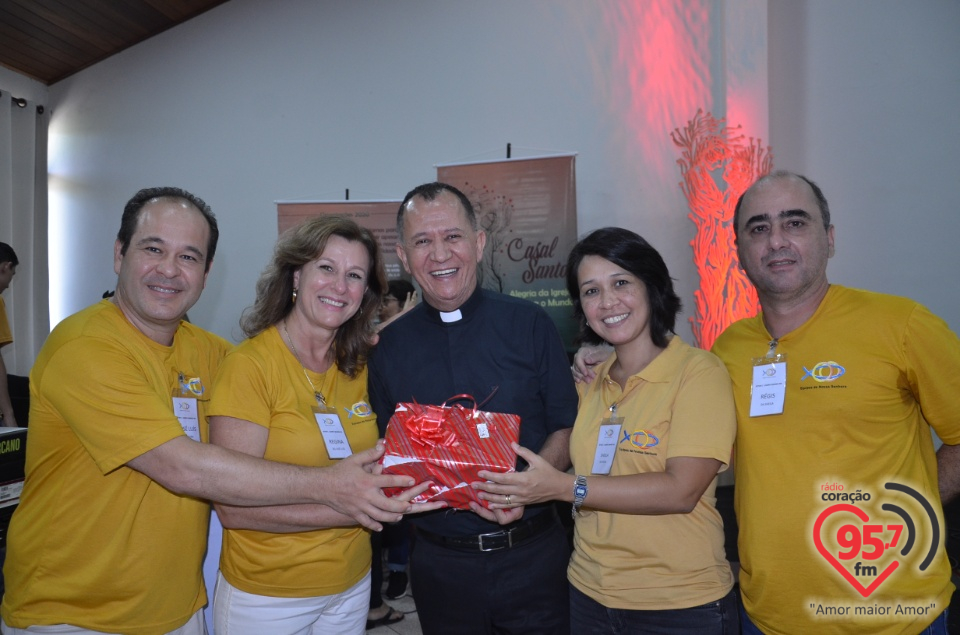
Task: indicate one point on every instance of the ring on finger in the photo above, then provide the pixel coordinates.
(508, 499)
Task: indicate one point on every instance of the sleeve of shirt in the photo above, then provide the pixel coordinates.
(241, 391)
(6, 336)
(107, 399)
(558, 391)
(704, 419)
(932, 357)
(380, 399)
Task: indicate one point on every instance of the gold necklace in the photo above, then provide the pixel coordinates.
(316, 393)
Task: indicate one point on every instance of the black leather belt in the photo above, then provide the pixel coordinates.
(497, 540)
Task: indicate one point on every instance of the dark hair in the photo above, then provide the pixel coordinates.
(295, 248)
(7, 254)
(399, 289)
(784, 174)
(430, 191)
(631, 252)
(131, 215)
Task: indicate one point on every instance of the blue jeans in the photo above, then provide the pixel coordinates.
(938, 627)
(589, 617)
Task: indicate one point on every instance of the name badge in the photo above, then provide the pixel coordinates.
(606, 445)
(334, 436)
(185, 408)
(769, 386)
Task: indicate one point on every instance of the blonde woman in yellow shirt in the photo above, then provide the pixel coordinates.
(296, 391)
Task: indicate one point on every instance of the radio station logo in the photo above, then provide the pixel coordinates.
(866, 549)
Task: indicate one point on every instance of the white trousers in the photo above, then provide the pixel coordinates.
(194, 626)
(236, 612)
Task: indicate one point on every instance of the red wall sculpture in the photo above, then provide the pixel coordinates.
(717, 165)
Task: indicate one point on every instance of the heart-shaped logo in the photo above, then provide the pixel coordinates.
(865, 591)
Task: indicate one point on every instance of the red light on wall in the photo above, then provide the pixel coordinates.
(717, 165)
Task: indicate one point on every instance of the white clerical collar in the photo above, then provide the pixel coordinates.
(452, 316)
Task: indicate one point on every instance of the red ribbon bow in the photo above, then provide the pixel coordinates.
(426, 427)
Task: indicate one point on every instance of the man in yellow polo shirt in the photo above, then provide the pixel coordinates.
(8, 267)
(111, 528)
(838, 494)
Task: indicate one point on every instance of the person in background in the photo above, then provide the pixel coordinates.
(401, 296)
(296, 391)
(8, 268)
(111, 529)
(651, 434)
(487, 571)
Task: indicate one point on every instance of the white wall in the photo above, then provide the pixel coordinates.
(22, 86)
(863, 100)
(254, 102)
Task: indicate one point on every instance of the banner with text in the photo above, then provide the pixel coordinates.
(380, 217)
(528, 208)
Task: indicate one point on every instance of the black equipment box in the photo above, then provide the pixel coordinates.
(13, 453)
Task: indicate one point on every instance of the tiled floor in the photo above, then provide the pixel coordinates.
(409, 625)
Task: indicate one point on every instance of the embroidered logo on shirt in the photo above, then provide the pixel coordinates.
(361, 409)
(193, 386)
(640, 439)
(824, 371)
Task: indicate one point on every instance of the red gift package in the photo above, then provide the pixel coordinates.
(448, 445)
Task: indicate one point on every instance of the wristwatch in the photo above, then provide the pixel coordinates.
(579, 493)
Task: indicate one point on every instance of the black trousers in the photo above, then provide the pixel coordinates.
(520, 591)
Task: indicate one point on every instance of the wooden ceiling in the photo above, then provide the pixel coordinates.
(49, 40)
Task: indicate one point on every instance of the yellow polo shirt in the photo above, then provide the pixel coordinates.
(95, 543)
(262, 382)
(681, 404)
(6, 336)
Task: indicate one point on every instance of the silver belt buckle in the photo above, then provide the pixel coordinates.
(497, 535)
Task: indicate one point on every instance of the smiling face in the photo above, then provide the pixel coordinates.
(614, 301)
(331, 287)
(441, 250)
(782, 243)
(164, 269)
